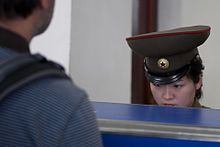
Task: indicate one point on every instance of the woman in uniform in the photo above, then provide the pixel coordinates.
(173, 64)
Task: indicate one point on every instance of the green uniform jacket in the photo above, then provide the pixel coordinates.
(196, 104)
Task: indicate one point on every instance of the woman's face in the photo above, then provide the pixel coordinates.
(179, 94)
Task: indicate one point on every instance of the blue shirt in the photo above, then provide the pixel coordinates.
(47, 113)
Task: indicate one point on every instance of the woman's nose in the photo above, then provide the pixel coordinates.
(168, 94)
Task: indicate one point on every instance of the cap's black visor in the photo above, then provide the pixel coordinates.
(167, 78)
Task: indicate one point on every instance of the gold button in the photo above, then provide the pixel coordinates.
(163, 63)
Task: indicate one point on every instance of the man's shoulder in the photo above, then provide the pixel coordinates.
(47, 89)
(52, 92)
(56, 88)
(6, 53)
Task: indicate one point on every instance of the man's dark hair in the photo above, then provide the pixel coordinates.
(194, 74)
(17, 8)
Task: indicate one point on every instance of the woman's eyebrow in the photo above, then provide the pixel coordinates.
(180, 80)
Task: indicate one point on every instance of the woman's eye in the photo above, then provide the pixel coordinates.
(156, 85)
(178, 86)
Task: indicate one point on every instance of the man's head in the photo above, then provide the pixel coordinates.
(32, 16)
(45, 17)
(11, 9)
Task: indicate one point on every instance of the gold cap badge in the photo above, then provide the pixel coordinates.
(163, 63)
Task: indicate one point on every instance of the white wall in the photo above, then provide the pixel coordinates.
(100, 60)
(178, 13)
(55, 42)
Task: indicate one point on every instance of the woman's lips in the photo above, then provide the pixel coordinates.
(171, 105)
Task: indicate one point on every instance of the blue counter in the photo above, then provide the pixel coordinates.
(143, 125)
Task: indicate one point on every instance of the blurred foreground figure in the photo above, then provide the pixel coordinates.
(47, 112)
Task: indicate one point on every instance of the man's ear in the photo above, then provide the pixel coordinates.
(44, 4)
(199, 84)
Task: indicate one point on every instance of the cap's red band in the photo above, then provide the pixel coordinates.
(171, 34)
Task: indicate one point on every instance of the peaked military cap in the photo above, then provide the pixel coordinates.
(168, 54)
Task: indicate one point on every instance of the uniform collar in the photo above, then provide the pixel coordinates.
(196, 104)
(13, 41)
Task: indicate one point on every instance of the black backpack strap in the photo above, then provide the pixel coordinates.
(24, 68)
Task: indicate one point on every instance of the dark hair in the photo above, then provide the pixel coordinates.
(17, 8)
(194, 74)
